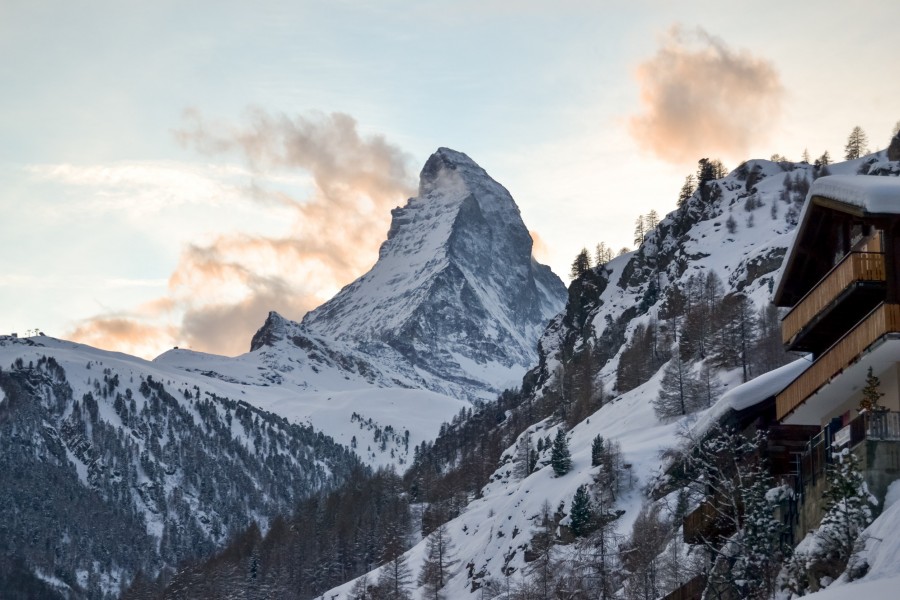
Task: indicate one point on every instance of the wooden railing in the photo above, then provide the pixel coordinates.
(884, 318)
(856, 266)
(876, 426)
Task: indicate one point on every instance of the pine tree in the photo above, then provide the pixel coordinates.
(847, 506)
(597, 451)
(580, 514)
(560, 457)
(731, 224)
(870, 393)
(857, 143)
(651, 220)
(806, 155)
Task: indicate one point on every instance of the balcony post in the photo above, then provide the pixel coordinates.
(892, 261)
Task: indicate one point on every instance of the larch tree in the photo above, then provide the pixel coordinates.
(857, 144)
(438, 561)
(640, 228)
(678, 390)
(603, 254)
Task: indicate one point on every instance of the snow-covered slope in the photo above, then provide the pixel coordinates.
(605, 307)
(880, 551)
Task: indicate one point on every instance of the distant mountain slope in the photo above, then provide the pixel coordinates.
(110, 465)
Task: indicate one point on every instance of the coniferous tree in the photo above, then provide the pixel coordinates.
(640, 228)
(731, 224)
(679, 390)
(857, 144)
(581, 264)
(651, 220)
(847, 506)
(870, 393)
(438, 562)
(580, 514)
(560, 457)
(603, 254)
(597, 450)
(394, 579)
(687, 190)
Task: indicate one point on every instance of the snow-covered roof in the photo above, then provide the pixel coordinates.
(753, 392)
(876, 195)
(871, 193)
(765, 386)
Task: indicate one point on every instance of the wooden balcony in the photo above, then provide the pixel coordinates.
(855, 268)
(884, 319)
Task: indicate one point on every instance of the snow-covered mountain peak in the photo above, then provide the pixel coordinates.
(455, 290)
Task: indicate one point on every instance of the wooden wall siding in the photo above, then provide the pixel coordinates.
(885, 318)
(856, 266)
(691, 590)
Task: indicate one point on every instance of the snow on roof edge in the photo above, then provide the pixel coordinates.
(753, 392)
(874, 194)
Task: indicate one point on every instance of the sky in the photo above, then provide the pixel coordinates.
(171, 171)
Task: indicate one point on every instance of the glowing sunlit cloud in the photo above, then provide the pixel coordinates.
(539, 249)
(222, 290)
(124, 334)
(701, 99)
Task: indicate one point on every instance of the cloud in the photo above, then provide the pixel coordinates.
(142, 187)
(701, 99)
(222, 290)
(539, 248)
(124, 334)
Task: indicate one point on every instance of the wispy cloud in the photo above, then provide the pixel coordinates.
(701, 98)
(144, 187)
(223, 289)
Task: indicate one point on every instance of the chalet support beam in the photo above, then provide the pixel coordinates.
(892, 260)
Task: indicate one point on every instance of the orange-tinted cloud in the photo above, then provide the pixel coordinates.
(124, 334)
(223, 290)
(539, 249)
(700, 98)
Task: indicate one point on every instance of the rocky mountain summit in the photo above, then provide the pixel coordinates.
(456, 300)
